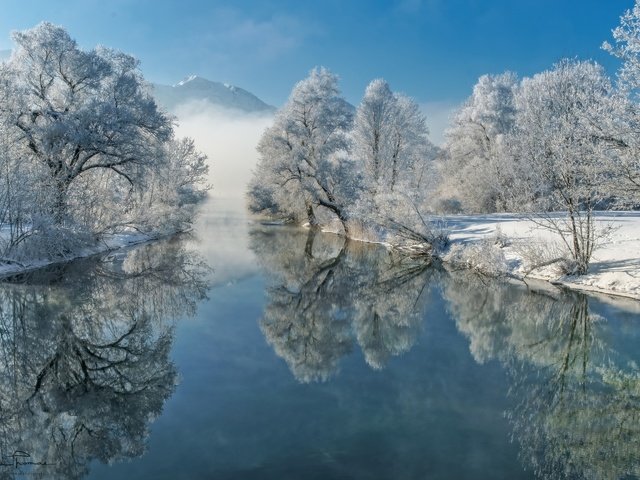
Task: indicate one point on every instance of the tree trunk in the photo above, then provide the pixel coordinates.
(394, 173)
(60, 207)
(339, 213)
(345, 224)
(308, 246)
(581, 248)
(311, 215)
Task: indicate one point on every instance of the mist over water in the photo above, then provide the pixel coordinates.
(229, 139)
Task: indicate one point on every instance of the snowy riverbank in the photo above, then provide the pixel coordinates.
(511, 244)
(106, 244)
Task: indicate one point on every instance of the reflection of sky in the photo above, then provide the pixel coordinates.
(238, 412)
(221, 232)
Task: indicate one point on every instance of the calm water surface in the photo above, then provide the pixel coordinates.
(303, 356)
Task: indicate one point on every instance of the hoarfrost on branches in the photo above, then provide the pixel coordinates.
(83, 146)
(300, 154)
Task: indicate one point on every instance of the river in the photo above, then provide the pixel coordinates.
(247, 351)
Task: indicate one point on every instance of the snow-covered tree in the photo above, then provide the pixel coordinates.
(79, 111)
(373, 132)
(561, 160)
(393, 155)
(297, 172)
(626, 47)
(170, 194)
(618, 129)
(412, 151)
(390, 138)
(625, 122)
(84, 146)
(475, 167)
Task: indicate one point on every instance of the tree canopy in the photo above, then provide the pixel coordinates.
(84, 141)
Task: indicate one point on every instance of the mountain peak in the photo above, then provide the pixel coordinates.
(186, 80)
(195, 88)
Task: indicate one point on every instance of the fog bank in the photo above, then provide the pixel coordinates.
(229, 139)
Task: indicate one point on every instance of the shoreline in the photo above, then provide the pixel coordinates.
(496, 245)
(518, 245)
(539, 281)
(112, 244)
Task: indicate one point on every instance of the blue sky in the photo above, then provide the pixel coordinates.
(432, 50)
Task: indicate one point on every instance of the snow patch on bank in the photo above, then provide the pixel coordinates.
(106, 244)
(614, 269)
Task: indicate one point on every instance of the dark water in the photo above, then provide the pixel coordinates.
(306, 356)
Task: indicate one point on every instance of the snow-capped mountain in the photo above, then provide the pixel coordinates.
(196, 88)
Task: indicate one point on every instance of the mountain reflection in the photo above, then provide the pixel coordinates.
(326, 293)
(84, 358)
(577, 395)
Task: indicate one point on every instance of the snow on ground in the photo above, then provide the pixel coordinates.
(614, 269)
(107, 244)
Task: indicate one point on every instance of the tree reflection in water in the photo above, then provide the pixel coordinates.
(576, 394)
(326, 293)
(84, 357)
(577, 397)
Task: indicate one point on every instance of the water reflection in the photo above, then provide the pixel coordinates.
(326, 294)
(577, 395)
(573, 382)
(84, 358)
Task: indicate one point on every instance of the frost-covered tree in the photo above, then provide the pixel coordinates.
(299, 166)
(79, 111)
(561, 160)
(170, 194)
(475, 167)
(625, 121)
(618, 129)
(390, 140)
(393, 155)
(411, 150)
(373, 131)
(85, 149)
(626, 47)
